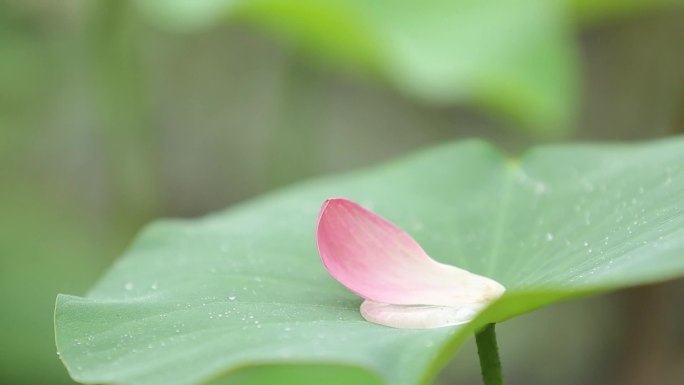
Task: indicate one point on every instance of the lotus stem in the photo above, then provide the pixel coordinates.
(488, 351)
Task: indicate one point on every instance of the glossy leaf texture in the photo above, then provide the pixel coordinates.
(192, 301)
(516, 58)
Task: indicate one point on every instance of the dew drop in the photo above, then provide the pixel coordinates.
(232, 298)
(129, 286)
(539, 188)
(549, 237)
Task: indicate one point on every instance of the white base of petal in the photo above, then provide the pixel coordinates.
(417, 316)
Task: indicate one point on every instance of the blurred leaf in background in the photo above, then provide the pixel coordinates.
(513, 57)
(56, 227)
(43, 249)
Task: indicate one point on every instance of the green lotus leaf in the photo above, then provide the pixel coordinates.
(194, 301)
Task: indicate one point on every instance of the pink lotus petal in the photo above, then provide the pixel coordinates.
(418, 316)
(381, 263)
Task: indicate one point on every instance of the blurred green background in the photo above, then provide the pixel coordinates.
(114, 113)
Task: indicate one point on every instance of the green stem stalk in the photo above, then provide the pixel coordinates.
(488, 351)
